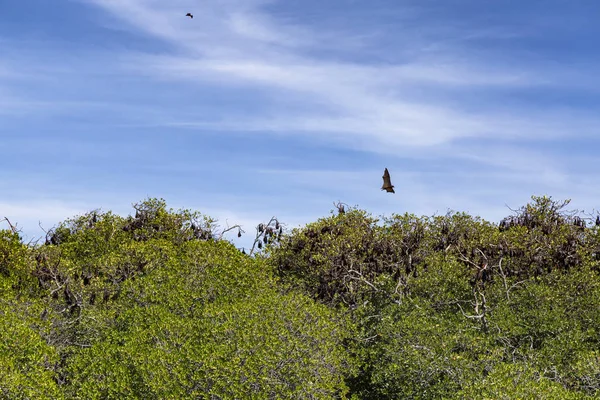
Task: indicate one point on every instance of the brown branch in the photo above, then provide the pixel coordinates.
(12, 227)
(341, 207)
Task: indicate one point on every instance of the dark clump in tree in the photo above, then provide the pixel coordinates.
(159, 305)
(444, 303)
(138, 299)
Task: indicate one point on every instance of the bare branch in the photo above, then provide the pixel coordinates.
(504, 279)
(341, 207)
(361, 278)
(263, 231)
(478, 316)
(465, 259)
(12, 227)
(483, 254)
(238, 227)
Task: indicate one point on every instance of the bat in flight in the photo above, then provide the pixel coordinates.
(387, 183)
(189, 15)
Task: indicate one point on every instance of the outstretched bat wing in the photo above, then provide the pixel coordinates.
(387, 182)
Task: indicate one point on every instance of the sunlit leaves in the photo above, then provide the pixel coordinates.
(208, 324)
(27, 361)
(155, 305)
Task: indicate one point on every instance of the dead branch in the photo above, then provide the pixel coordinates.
(12, 227)
(483, 254)
(361, 278)
(507, 290)
(238, 227)
(479, 315)
(465, 259)
(341, 207)
(263, 231)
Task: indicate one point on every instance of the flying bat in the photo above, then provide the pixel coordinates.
(189, 15)
(387, 183)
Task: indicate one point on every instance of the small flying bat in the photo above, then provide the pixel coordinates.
(387, 183)
(189, 15)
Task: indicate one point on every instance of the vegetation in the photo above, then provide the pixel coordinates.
(158, 305)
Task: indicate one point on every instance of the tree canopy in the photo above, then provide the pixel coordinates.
(159, 305)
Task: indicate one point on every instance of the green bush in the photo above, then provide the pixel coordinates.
(157, 305)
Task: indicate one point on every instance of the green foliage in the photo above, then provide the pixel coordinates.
(209, 323)
(157, 305)
(516, 381)
(444, 305)
(335, 259)
(26, 361)
(15, 272)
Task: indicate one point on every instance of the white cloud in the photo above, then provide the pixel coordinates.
(425, 99)
(376, 107)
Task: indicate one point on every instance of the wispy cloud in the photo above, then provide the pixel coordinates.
(425, 100)
(257, 107)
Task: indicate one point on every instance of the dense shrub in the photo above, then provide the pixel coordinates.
(158, 305)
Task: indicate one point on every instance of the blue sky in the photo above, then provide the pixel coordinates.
(256, 108)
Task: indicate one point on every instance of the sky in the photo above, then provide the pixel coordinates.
(261, 108)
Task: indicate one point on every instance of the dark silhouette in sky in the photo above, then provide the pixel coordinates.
(387, 183)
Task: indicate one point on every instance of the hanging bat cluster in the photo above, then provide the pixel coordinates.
(547, 226)
(340, 207)
(199, 233)
(54, 238)
(387, 182)
(93, 220)
(142, 219)
(267, 233)
(579, 222)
